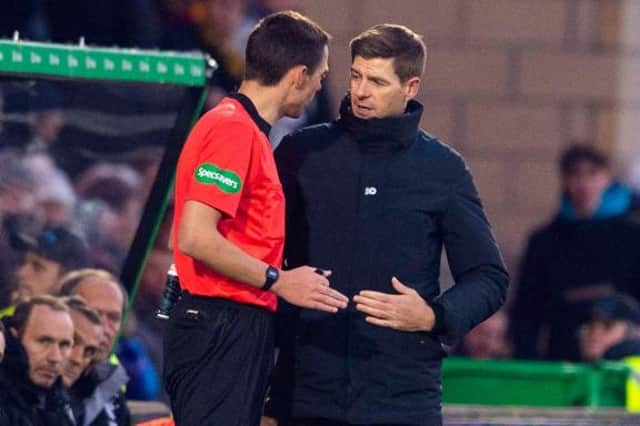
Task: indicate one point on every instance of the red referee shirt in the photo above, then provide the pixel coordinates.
(227, 163)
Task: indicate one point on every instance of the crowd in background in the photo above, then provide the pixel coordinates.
(59, 182)
(576, 292)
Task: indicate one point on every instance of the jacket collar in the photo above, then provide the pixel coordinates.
(616, 201)
(15, 367)
(100, 387)
(395, 132)
(248, 105)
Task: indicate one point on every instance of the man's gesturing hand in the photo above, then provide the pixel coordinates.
(406, 311)
(307, 288)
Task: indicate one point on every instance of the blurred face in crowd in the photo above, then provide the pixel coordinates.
(16, 200)
(597, 336)
(376, 90)
(86, 347)
(2, 346)
(224, 16)
(107, 299)
(47, 339)
(38, 275)
(306, 87)
(56, 213)
(48, 126)
(584, 185)
(488, 339)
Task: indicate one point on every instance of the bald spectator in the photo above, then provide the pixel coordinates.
(99, 393)
(38, 344)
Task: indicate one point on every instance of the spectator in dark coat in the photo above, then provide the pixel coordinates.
(39, 339)
(590, 249)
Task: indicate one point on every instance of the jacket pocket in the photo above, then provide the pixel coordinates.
(414, 368)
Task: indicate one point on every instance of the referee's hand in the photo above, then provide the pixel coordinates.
(308, 287)
(268, 421)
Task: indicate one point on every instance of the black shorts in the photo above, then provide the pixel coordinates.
(218, 356)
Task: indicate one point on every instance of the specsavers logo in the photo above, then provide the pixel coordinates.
(226, 180)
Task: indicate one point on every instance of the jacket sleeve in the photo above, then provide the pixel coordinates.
(476, 264)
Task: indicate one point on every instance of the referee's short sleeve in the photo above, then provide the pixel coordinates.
(221, 170)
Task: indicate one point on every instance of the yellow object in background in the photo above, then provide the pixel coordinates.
(633, 384)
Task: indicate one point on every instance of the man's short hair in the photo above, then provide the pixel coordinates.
(280, 42)
(70, 282)
(24, 307)
(582, 152)
(405, 47)
(78, 304)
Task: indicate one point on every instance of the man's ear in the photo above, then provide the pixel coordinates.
(411, 87)
(13, 331)
(298, 76)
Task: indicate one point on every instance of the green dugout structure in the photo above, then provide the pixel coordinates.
(119, 106)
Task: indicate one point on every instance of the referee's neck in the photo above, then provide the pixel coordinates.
(268, 100)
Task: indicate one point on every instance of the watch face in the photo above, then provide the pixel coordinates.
(272, 273)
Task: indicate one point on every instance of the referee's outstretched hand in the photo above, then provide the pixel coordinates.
(308, 287)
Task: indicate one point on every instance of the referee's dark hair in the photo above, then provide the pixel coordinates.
(280, 42)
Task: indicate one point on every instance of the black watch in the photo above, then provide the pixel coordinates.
(271, 275)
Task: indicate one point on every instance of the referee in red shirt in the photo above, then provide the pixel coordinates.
(229, 222)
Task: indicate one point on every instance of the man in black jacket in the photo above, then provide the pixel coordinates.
(588, 250)
(39, 338)
(375, 199)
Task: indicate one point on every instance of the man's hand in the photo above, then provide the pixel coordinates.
(307, 288)
(406, 311)
(268, 421)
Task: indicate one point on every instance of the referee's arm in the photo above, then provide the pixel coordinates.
(300, 286)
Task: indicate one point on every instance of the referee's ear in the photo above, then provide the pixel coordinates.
(297, 76)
